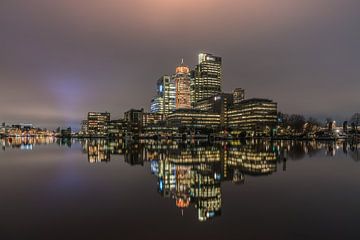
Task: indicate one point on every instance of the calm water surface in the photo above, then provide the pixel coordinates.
(97, 189)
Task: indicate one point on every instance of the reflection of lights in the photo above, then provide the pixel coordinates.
(154, 167)
(161, 185)
(26, 147)
(217, 176)
(182, 203)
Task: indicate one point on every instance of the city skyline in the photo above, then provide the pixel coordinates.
(52, 71)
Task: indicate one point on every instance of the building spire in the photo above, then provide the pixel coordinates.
(182, 62)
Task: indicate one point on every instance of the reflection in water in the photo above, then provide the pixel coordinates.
(26, 143)
(190, 174)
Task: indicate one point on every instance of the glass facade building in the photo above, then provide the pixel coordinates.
(164, 101)
(206, 78)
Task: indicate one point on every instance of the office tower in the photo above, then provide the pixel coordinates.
(157, 104)
(206, 78)
(182, 83)
(164, 101)
(98, 123)
(239, 95)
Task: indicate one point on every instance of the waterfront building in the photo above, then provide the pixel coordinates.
(194, 155)
(66, 133)
(206, 78)
(219, 103)
(191, 118)
(134, 118)
(182, 83)
(192, 176)
(84, 127)
(164, 101)
(239, 95)
(117, 128)
(253, 116)
(97, 123)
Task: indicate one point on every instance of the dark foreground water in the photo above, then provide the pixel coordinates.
(238, 190)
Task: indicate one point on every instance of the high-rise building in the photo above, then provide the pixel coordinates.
(98, 123)
(164, 101)
(206, 78)
(239, 95)
(182, 83)
(157, 105)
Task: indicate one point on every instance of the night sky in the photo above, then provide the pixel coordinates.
(61, 59)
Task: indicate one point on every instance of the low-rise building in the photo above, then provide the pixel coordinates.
(152, 118)
(117, 128)
(219, 104)
(97, 123)
(190, 118)
(255, 117)
(134, 119)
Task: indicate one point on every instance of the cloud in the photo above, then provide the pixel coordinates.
(64, 58)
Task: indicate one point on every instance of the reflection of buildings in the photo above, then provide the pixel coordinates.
(26, 143)
(193, 175)
(190, 183)
(252, 159)
(98, 151)
(134, 155)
